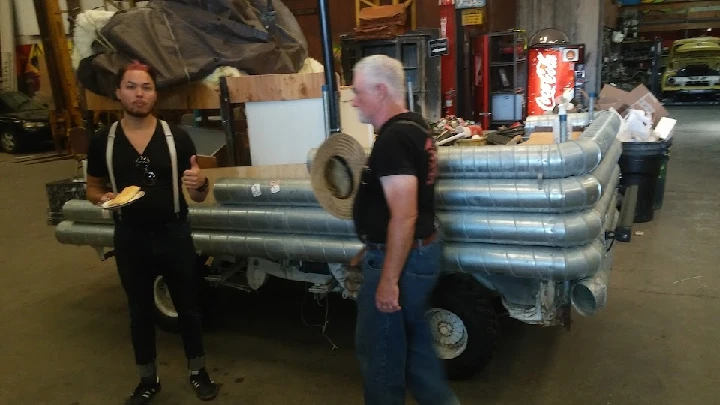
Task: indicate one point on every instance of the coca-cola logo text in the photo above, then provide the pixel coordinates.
(546, 70)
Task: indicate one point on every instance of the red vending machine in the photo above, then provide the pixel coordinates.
(554, 70)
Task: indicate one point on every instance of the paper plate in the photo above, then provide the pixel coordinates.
(136, 197)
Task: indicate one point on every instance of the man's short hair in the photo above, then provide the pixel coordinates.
(135, 65)
(383, 69)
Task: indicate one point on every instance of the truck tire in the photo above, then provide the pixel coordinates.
(166, 317)
(10, 141)
(464, 324)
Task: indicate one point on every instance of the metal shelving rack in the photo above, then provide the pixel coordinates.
(508, 76)
(412, 49)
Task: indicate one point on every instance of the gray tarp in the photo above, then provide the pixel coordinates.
(186, 40)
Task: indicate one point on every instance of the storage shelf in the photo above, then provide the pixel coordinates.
(507, 76)
(509, 93)
(499, 64)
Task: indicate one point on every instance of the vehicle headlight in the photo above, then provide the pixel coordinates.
(33, 125)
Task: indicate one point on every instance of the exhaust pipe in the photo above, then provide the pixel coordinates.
(589, 295)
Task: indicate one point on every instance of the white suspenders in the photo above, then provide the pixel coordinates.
(173, 161)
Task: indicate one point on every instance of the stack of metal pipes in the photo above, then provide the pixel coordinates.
(529, 211)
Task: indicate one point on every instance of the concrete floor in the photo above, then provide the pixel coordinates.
(64, 332)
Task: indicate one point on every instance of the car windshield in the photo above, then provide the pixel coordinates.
(698, 54)
(18, 102)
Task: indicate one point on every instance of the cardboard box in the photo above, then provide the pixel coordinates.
(640, 98)
(548, 138)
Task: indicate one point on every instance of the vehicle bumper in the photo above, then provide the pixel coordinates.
(37, 135)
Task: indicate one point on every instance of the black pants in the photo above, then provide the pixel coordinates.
(143, 253)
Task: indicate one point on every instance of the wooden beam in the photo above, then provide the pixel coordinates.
(192, 96)
(679, 17)
(679, 26)
(677, 5)
(275, 87)
(201, 96)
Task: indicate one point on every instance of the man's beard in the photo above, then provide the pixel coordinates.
(134, 112)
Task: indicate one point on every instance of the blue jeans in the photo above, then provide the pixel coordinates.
(396, 350)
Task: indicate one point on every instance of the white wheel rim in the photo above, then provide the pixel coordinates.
(8, 141)
(449, 333)
(163, 301)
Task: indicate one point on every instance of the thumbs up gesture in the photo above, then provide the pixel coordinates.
(192, 179)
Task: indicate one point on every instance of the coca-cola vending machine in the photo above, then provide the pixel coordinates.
(554, 70)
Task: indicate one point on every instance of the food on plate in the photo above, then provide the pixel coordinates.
(126, 195)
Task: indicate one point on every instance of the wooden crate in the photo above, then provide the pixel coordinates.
(360, 4)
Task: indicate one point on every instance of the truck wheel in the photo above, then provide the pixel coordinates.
(166, 317)
(464, 324)
(9, 142)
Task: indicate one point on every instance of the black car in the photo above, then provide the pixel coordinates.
(24, 123)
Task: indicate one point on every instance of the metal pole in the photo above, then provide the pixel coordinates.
(226, 115)
(411, 97)
(655, 69)
(333, 108)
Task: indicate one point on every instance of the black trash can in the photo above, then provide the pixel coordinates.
(640, 164)
(660, 188)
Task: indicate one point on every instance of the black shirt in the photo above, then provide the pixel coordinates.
(401, 148)
(157, 206)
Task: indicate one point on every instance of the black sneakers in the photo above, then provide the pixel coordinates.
(205, 388)
(144, 393)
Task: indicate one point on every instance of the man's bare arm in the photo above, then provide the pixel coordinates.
(96, 189)
(401, 195)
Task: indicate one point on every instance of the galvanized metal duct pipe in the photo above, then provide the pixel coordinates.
(556, 230)
(550, 196)
(536, 195)
(287, 220)
(528, 161)
(292, 192)
(329, 249)
(560, 230)
(517, 261)
(557, 264)
(83, 211)
(590, 295)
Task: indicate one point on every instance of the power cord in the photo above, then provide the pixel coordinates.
(324, 325)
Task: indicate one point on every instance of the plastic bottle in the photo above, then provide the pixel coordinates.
(563, 130)
(591, 108)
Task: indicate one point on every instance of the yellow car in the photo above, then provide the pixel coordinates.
(693, 68)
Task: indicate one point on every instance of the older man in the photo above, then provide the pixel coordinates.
(394, 216)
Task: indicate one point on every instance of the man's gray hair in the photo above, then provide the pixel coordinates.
(377, 69)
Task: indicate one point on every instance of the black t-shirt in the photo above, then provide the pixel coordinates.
(401, 148)
(157, 206)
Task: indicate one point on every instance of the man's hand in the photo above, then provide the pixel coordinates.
(387, 297)
(192, 179)
(107, 197)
